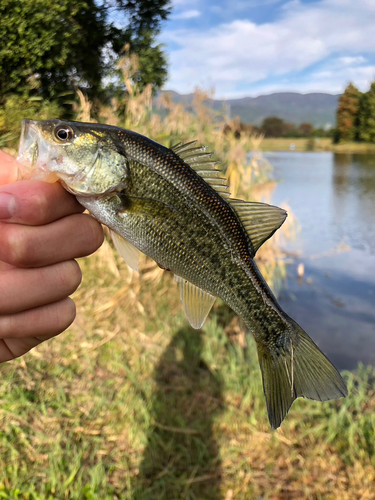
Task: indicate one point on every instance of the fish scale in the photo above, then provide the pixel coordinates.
(178, 212)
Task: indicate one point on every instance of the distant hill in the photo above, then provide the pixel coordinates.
(316, 108)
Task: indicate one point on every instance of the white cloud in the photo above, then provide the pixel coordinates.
(242, 52)
(352, 60)
(187, 14)
(332, 80)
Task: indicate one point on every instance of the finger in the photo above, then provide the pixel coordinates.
(23, 331)
(5, 267)
(22, 289)
(8, 169)
(36, 203)
(65, 239)
(41, 322)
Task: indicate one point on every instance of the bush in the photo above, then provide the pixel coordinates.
(16, 108)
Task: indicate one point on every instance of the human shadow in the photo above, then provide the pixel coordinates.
(181, 459)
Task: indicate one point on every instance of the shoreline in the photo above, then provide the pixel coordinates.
(270, 145)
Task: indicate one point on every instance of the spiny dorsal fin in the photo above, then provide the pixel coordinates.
(178, 148)
(259, 219)
(127, 250)
(200, 161)
(197, 303)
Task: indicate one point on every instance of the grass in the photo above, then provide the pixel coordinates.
(298, 144)
(318, 145)
(131, 403)
(354, 147)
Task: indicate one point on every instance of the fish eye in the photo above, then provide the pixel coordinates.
(64, 133)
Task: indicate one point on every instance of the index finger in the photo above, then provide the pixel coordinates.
(8, 169)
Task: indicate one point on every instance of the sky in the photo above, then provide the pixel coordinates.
(252, 47)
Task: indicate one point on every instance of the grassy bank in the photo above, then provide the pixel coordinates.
(299, 144)
(131, 403)
(318, 145)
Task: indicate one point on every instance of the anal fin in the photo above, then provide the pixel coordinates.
(196, 302)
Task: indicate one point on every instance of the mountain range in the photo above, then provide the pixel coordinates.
(319, 109)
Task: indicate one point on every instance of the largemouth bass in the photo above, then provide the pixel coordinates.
(173, 205)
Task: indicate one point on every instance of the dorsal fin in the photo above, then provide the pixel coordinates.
(178, 148)
(197, 303)
(199, 160)
(259, 219)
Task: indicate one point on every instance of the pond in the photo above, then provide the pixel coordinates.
(333, 199)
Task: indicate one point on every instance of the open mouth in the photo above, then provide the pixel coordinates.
(34, 154)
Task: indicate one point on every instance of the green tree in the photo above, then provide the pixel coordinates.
(305, 129)
(56, 45)
(144, 18)
(273, 126)
(347, 114)
(367, 116)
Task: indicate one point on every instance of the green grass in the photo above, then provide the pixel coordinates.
(319, 145)
(299, 144)
(131, 403)
(354, 147)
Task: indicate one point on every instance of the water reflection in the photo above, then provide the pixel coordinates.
(333, 198)
(353, 189)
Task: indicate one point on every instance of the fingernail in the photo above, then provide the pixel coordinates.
(7, 206)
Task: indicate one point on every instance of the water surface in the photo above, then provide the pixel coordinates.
(333, 198)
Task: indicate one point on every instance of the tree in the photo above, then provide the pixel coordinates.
(347, 114)
(367, 116)
(56, 45)
(144, 18)
(273, 126)
(306, 128)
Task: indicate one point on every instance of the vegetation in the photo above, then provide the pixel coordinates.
(347, 114)
(367, 116)
(131, 403)
(276, 127)
(356, 115)
(315, 144)
(50, 47)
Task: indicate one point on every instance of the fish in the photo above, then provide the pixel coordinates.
(173, 205)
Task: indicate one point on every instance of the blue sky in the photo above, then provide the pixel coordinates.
(252, 47)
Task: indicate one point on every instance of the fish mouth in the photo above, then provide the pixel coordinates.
(34, 153)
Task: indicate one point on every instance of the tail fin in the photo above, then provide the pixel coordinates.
(301, 370)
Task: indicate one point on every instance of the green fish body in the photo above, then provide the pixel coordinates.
(172, 205)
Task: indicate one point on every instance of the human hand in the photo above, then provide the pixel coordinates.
(42, 231)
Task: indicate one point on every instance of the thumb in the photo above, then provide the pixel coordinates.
(8, 169)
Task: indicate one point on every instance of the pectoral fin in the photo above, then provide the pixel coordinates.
(196, 302)
(127, 250)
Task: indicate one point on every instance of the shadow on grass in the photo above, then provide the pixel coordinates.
(181, 459)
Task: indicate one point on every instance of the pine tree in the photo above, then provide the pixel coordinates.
(367, 116)
(348, 113)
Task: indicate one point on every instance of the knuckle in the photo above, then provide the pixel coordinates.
(38, 207)
(16, 246)
(7, 327)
